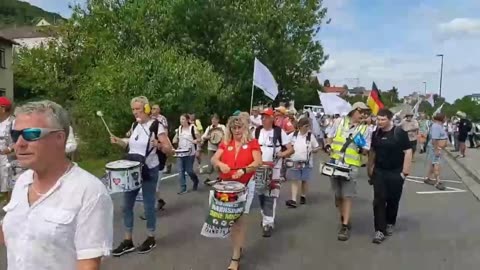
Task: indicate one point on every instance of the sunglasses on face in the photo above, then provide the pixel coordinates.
(32, 134)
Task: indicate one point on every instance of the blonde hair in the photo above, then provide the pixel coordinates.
(239, 122)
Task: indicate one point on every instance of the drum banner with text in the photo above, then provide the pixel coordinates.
(221, 216)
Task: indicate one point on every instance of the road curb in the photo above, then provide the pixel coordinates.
(469, 178)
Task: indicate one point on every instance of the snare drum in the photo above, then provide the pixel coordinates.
(123, 175)
(229, 191)
(297, 164)
(336, 170)
(182, 153)
(263, 177)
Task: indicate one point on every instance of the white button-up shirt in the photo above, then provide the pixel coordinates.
(72, 221)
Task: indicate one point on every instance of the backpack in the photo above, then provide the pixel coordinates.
(309, 136)
(395, 133)
(192, 130)
(162, 157)
(277, 136)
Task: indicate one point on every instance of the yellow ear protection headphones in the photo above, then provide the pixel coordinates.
(147, 109)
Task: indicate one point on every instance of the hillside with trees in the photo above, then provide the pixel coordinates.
(19, 13)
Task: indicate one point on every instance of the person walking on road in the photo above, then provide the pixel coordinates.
(410, 125)
(438, 141)
(389, 164)
(347, 153)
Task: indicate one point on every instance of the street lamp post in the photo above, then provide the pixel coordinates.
(441, 74)
(425, 84)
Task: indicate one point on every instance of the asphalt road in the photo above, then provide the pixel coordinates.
(434, 231)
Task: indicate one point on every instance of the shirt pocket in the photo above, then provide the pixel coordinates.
(56, 222)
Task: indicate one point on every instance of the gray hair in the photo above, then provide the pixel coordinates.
(56, 114)
(139, 99)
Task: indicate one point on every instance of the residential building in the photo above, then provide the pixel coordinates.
(6, 70)
(341, 91)
(42, 22)
(29, 36)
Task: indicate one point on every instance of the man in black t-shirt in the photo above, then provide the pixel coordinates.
(389, 162)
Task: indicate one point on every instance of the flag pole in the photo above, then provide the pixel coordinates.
(251, 98)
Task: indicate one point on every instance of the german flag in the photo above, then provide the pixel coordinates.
(374, 100)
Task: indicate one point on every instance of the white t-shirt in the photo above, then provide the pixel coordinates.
(265, 139)
(72, 221)
(139, 140)
(303, 152)
(185, 138)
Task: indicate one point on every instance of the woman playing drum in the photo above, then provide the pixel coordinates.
(237, 157)
(142, 144)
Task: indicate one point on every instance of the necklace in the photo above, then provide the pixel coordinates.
(42, 194)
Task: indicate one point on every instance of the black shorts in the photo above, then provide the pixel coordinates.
(462, 137)
(413, 144)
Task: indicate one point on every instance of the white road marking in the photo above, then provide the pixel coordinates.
(448, 181)
(450, 189)
(438, 192)
(176, 174)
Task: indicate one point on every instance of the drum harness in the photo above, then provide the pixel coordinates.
(341, 172)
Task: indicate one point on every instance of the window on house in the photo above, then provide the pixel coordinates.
(3, 92)
(2, 59)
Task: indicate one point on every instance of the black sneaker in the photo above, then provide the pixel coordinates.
(147, 245)
(344, 233)
(161, 204)
(378, 238)
(303, 200)
(291, 204)
(390, 229)
(267, 231)
(125, 247)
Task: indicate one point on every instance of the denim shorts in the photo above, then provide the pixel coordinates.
(304, 174)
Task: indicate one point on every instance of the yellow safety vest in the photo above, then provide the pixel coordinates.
(352, 157)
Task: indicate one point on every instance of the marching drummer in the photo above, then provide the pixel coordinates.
(147, 135)
(304, 144)
(6, 145)
(214, 135)
(344, 151)
(237, 157)
(275, 146)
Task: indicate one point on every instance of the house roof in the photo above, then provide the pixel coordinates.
(475, 95)
(333, 89)
(6, 40)
(26, 32)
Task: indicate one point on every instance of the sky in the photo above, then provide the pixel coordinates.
(392, 42)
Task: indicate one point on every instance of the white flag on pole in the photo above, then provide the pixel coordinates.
(430, 100)
(415, 108)
(263, 79)
(333, 104)
(438, 110)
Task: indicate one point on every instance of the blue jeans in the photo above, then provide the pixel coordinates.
(149, 186)
(186, 165)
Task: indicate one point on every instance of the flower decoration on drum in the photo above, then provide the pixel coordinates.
(226, 197)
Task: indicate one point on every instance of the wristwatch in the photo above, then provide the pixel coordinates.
(244, 170)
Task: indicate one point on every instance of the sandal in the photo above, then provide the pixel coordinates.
(238, 264)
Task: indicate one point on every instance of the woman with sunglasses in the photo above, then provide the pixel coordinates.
(237, 157)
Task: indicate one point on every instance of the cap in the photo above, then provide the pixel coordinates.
(4, 101)
(359, 105)
(281, 109)
(268, 111)
(236, 113)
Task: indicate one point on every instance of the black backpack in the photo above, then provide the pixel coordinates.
(277, 136)
(162, 157)
(309, 136)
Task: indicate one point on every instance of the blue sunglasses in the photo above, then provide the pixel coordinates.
(32, 134)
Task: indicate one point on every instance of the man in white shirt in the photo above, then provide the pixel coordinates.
(275, 146)
(211, 147)
(255, 119)
(60, 217)
(6, 120)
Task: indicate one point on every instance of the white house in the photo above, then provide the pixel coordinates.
(29, 36)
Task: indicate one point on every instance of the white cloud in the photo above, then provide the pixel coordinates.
(460, 27)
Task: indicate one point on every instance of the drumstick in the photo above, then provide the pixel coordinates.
(100, 114)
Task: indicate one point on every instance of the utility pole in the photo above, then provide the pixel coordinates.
(425, 84)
